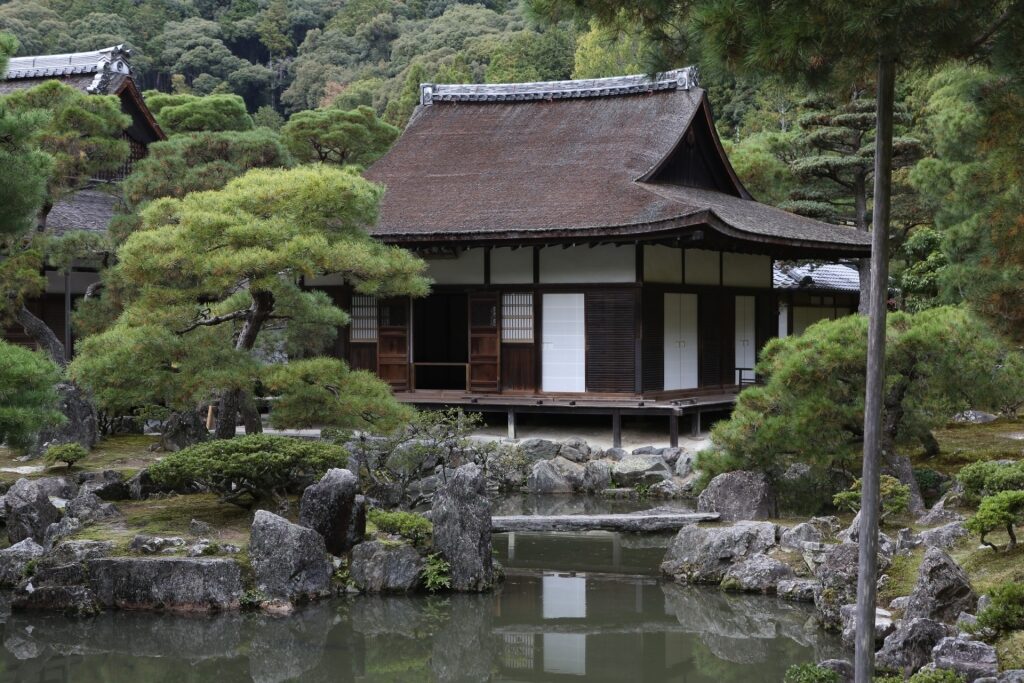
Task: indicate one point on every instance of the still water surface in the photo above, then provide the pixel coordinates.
(574, 607)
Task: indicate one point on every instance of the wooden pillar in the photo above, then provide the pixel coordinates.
(67, 315)
(673, 430)
(616, 429)
(511, 424)
(695, 424)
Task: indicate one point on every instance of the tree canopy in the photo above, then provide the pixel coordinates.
(338, 137)
(28, 401)
(206, 274)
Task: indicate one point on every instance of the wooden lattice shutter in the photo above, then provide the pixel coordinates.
(610, 323)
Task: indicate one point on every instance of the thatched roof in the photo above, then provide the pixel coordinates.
(599, 159)
(90, 209)
(97, 72)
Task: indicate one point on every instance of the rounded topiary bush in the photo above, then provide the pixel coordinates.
(67, 453)
(251, 469)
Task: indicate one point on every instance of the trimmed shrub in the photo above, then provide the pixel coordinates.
(810, 673)
(249, 469)
(408, 525)
(1005, 612)
(1003, 510)
(67, 453)
(28, 401)
(895, 496)
(980, 479)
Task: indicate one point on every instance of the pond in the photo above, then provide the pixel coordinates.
(574, 607)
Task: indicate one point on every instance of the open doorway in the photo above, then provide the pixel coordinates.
(441, 341)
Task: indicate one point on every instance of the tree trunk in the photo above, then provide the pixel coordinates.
(864, 657)
(860, 203)
(43, 335)
(232, 400)
(250, 415)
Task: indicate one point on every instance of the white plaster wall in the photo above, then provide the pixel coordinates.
(783, 320)
(583, 264)
(805, 316)
(466, 269)
(746, 270)
(663, 264)
(512, 266)
(702, 267)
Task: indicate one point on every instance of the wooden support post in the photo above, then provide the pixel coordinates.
(673, 430)
(695, 424)
(511, 424)
(616, 429)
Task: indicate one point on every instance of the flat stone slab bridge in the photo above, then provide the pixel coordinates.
(645, 521)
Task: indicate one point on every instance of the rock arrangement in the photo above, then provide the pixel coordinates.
(572, 466)
(291, 563)
(817, 562)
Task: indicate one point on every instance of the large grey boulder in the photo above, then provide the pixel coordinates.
(329, 508)
(942, 590)
(795, 537)
(757, 574)
(945, 536)
(683, 466)
(462, 529)
(289, 561)
(57, 487)
(14, 560)
(643, 469)
(597, 476)
(65, 527)
(939, 514)
(574, 449)
(61, 588)
(739, 495)
(837, 582)
(556, 475)
(68, 552)
(704, 555)
(29, 511)
(884, 624)
(173, 583)
(384, 567)
(796, 590)
(80, 427)
(88, 507)
(108, 484)
(538, 449)
(972, 659)
(909, 647)
(182, 430)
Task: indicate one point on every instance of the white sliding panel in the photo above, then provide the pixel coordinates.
(680, 341)
(745, 339)
(563, 335)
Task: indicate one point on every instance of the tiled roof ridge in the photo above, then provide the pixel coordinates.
(104, 63)
(676, 79)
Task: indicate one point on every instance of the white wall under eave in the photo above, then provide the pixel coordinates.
(746, 270)
(512, 266)
(467, 268)
(663, 264)
(703, 267)
(583, 264)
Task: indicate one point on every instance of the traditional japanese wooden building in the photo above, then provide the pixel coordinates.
(98, 72)
(592, 250)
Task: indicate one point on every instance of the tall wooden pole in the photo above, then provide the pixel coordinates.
(864, 657)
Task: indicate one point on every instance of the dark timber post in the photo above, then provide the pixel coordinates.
(67, 314)
(864, 657)
(512, 424)
(673, 429)
(616, 429)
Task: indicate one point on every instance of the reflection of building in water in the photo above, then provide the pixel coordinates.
(593, 551)
(564, 596)
(565, 653)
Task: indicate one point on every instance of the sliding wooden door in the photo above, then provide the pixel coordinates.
(393, 343)
(484, 341)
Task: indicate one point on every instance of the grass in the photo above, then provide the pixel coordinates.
(902, 575)
(988, 568)
(962, 444)
(1010, 651)
(128, 454)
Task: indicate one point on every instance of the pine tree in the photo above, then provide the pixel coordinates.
(837, 171)
(208, 278)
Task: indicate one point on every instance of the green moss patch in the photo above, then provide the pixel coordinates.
(962, 444)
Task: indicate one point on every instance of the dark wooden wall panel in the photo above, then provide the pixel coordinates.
(716, 322)
(518, 367)
(653, 342)
(611, 338)
(363, 356)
